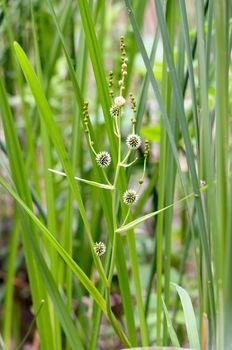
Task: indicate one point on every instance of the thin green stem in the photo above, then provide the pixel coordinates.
(126, 157)
(114, 213)
(127, 216)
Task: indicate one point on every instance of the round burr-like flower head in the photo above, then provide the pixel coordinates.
(103, 159)
(114, 111)
(99, 248)
(133, 141)
(130, 197)
(119, 101)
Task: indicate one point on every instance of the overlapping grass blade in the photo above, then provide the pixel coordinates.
(49, 187)
(50, 237)
(184, 22)
(64, 17)
(70, 262)
(144, 90)
(183, 123)
(155, 87)
(20, 180)
(46, 114)
(167, 180)
(95, 55)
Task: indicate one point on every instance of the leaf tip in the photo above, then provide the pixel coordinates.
(15, 43)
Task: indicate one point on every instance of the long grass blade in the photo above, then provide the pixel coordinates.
(171, 330)
(190, 319)
(88, 182)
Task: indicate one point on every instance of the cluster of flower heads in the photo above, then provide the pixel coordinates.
(133, 141)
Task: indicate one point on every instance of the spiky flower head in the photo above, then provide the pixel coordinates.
(99, 248)
(114, 111)
(103, 159)
(130, 197)
(119, 101)
(133, 141)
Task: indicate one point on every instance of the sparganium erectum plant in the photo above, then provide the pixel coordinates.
(126, 157)
(74, 235)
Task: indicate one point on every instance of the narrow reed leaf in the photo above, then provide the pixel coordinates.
(138, 221)
(97, 63)
(72, 73)
(171, 330)
(177, 94)
(64, 12)
(190, 318)
(144, 90)
(184, 22)
(89, 182)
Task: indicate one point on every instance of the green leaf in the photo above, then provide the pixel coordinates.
(171, 330)
(138, 221)
(151, 133)
(92, 183)
(190, 318)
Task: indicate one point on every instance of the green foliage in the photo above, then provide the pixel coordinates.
(97, 232)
